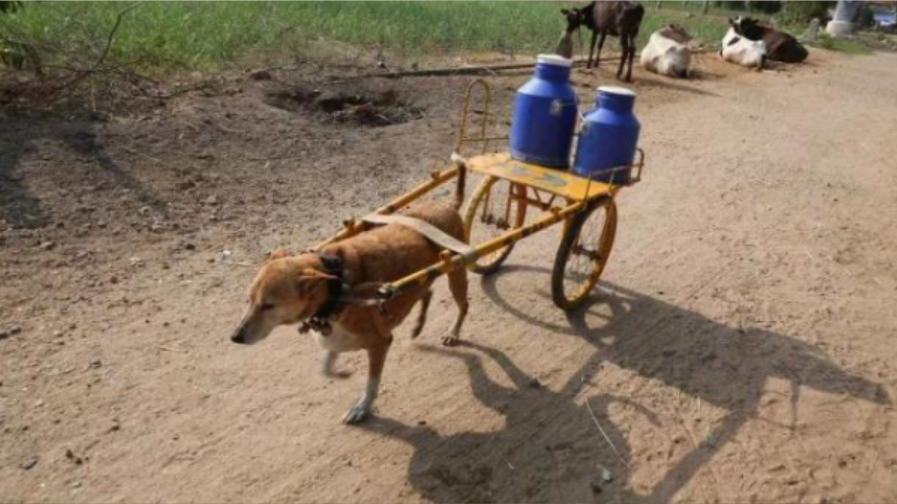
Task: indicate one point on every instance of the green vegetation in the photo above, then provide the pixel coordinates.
(209, 36)
(12, 53)
(803, 12)
(214, 35)
(842, 45)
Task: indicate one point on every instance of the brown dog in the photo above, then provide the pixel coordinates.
(316, 286)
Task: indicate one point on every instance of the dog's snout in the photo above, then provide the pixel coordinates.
(239, 336)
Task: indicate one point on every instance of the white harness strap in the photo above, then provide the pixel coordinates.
(431, 232)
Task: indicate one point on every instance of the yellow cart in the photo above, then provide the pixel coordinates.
(513, 201)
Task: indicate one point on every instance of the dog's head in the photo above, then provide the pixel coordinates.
(287, 290)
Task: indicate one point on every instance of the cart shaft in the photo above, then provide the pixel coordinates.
(453, 261)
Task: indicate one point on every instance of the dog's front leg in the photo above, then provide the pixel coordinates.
(376, 358)
(327, 366)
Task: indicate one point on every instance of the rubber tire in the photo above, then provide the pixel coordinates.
(563, 254)
(470, 219)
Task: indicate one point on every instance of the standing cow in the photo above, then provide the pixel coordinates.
(617, 19)
(574, 19)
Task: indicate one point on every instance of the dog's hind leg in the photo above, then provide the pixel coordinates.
(422, 316)
(376, 359)
(458, 285)
(327, 366)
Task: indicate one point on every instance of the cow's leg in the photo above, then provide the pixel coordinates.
(632, 45)
(600, 45)
(591, 49)
(624, 42)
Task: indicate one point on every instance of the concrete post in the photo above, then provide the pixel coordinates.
(845, 15)
(814, 30)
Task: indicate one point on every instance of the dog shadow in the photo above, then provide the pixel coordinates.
(561, 446)
(19, 206)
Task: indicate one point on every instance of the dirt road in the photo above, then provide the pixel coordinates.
(739, 348)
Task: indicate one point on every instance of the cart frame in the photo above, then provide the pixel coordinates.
(559, 195)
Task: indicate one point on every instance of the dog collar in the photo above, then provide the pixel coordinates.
(336, 290)
(338, 296)
(336, 287)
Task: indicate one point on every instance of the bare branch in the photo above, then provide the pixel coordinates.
(82, 74)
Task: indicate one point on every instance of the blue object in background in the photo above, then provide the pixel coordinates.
(885, 19)
(545, 113)
(609, 137)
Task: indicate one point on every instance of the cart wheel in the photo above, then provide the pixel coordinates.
(584, 250)
(491, 213)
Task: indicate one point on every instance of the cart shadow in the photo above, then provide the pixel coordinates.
(19, 206)
(550, 449)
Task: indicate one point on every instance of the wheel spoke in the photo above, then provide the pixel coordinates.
(494, 210)
(587, 254)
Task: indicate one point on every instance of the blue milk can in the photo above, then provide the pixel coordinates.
(545, 115)
(609, 136)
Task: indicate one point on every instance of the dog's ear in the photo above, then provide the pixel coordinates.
(311, 280)
(278, 253)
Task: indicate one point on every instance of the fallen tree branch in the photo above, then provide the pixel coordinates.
(476, 69)
(432, 72)
(481, 69)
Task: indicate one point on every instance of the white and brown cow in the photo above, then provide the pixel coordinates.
(742, 51)
(780, 46)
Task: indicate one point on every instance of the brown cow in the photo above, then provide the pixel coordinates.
(565, 43)
(617, 19)
(779, 45)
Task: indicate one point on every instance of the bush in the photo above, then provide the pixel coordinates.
(804, 12)
(12, 53)
(866, 16)
(825, 41)
(765, 7)
(10, 6)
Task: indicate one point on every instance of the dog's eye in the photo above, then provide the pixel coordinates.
(267, 306)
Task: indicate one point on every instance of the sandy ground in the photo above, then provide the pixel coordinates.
(739, 348)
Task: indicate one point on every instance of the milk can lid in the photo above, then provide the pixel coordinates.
(554, 59)
(616, 90)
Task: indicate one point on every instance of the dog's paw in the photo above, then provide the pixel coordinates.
(450, 340)
(338, 375)
(356, 414)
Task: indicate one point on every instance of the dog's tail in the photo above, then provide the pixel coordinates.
(461, 183)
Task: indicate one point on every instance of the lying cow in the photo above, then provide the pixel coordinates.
(742, 51)
(779, 45)
(667, 52)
